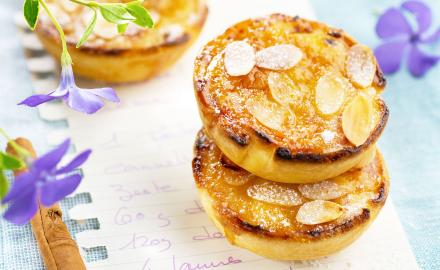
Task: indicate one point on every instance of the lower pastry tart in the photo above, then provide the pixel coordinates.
(288, 221)
(137, 55)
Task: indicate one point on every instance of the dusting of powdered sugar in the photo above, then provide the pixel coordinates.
(279, 57)
(239, 58)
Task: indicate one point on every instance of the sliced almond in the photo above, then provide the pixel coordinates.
(269, 113)
(360, 65)
(86, 16)
(355, 203)
(357, 120)
(360, 200)
(330, 93)
(63, 18)
(279, 57)
(281, 87)
(236, 178)
(324, 190)
(133, 29)
(69, 6)
(274, 193)
(319, 211)
(239, 58)
(329, 189)
(237, 181)
(172, 32)
(155, 16)
(105, 29)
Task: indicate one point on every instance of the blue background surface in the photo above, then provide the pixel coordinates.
(410, 144)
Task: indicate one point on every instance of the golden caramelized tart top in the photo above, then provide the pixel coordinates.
(172, 20)
(299, 84)
(295, 211)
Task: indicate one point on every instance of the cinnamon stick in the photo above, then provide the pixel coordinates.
(58, 249)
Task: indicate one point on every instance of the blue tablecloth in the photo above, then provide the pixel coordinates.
(411, 142)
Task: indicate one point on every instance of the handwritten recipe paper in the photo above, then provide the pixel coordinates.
(141, 185)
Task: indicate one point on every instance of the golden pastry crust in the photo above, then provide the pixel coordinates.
(269, 225)
(306, 145)
(137, 55)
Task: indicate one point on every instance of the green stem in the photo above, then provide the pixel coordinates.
(84, 3)
(65, 56)
(24, 155)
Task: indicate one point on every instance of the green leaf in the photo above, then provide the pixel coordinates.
(88, 30)
(115, 13)
(9, 162)
(31, 9)
(4, 186)
(143, 17)
(122, 28)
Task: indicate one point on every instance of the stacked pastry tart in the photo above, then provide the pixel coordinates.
(140, 53)
(286, 164)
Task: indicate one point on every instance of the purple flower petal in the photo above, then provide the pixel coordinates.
(389, 55)
(49, 161)
(107, 93)
(419, 62)
(393, 24)
(22, 184)
(84, 101)
(422, 13)
(67, 78)
(36, 100)
(431, 38)
(75, 163)
(54, 191)
(23, 209)
(60, 92)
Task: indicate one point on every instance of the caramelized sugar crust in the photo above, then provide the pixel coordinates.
(306, 134)
(243, 203)
(175, 21)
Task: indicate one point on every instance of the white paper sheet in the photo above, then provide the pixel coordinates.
(141, 184)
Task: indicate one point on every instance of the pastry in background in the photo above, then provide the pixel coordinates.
(137, 55)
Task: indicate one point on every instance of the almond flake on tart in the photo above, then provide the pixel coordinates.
(239, 58)
(357, 120)
(69, 6)
(279, 57)
(361, 65)
(318, 211)
(324, 190)
(331, 91)
(282, 88)
(269, 113)
(274, 193)
(105, 29)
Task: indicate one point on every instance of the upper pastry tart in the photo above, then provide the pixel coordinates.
(136, 55)
(290, 100)
(288, 221)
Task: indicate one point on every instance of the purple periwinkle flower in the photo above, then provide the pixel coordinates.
(43, 183)
(400, 38)
(82, 100)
